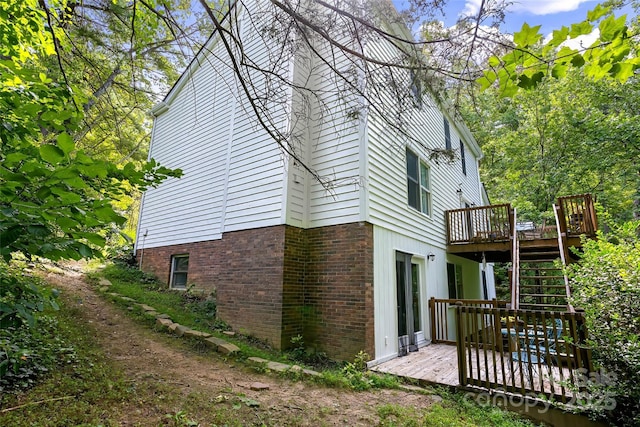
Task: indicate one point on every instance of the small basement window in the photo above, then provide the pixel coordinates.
(179, 269)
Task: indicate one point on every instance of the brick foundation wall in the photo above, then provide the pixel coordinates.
(282, 281)
(293, 309)
(246, 270)
(339, 290)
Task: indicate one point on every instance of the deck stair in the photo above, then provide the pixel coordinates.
(538, 280)
(542, 286)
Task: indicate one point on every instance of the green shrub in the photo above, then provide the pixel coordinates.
(27, 352)
(22, 297)
(606, 284)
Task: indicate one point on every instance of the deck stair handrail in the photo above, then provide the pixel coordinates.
(562, 246)
(515, 267)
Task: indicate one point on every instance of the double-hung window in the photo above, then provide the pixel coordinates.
(418, 184)
(447, 134)
(179, 269)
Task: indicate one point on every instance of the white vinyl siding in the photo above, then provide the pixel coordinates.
(387, 177)
(234, 172)
(331, 137)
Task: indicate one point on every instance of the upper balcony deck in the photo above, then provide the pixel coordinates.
(489, 230)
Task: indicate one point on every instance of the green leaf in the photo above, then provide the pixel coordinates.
(66, 197)
(107, 214)
(580, 29)
(559, 71)
(10, 235)
(65, 142)
(622, 71)
(577, 60)
(95, 239)
(494, 61)
(85, 250)
(43, 193)
(75, 182)
(527, 36)
(14, 158)
(66, 224)
(611, 27)
(51, 154)
(487, 79)
(38, 230)
(598, 12)
(559, 37)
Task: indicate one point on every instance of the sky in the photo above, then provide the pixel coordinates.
(550, 14)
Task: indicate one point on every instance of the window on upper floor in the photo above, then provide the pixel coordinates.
(462, 159)
(418, 183)
(416, 89)
(447, 134)
(179, 269)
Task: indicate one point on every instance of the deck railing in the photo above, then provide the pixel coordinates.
(529, 353)
(479, 224)
(578, 215)
(443, 328)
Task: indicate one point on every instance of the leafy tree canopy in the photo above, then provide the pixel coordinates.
(532, 58)
(55, 199)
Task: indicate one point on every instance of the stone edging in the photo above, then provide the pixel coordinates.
(164, 322)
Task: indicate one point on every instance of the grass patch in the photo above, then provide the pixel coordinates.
(453, 411)
(74, 393)
(194, 310)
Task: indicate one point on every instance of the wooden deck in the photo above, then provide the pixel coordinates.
(434, 363)
(438, 364)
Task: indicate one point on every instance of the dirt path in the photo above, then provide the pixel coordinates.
(148, 359)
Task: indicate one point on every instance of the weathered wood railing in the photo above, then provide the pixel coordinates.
(529, 353)
(479, 224)
(443, 328)
(578, 215)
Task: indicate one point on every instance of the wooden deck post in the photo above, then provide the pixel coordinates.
(432, 313)
(460, 343)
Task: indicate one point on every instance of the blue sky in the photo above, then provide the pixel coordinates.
(551, 14)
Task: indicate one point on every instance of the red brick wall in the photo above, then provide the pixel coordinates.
(279, 282)
(246, 269)
(295, 258)
(339, 290)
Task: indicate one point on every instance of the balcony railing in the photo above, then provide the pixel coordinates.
(481, 224)
(443, 328)
(495, 223)
(578, 215)
(530, 353)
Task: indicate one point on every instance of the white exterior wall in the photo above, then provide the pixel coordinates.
(236, 177)
(234, 173)
(333, 143)
(399, 227)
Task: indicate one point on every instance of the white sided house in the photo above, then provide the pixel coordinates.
(348, 263)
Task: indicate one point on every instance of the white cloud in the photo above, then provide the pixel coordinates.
(535, 7)
(546, 7)
(580, 42)
(471, 7)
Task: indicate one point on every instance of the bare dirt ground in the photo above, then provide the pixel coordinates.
(152, 362)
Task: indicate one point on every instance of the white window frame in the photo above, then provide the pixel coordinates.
(174, 261)
(423, 184)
